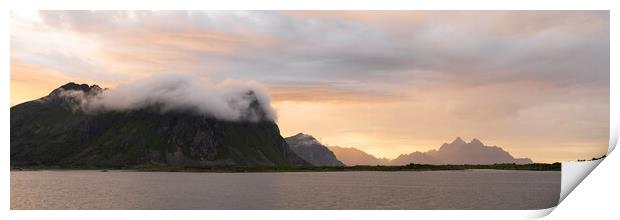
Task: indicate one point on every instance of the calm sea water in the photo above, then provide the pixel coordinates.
(472, 189)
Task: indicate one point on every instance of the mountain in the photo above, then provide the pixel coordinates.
(351, 156)
(457, 152)
(55, 131)
(415, 157)
(311, 150)
(461, 152)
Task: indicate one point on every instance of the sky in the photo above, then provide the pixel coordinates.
(535, 83)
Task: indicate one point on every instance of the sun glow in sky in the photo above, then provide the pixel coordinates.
(535, 83)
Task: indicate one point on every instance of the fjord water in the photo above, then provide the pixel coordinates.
(470, 189)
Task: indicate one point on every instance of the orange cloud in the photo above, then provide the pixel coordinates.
(327, 93)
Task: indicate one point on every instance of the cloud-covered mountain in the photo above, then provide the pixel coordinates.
(312, 151)
(57, 130)
(228, 100)
(352, 156)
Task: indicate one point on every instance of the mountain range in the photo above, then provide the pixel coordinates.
(461, 152)
(456, 152)
(56, 130)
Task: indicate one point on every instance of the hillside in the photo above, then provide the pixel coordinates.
(55, 131)
(311, 150)
(352, 156)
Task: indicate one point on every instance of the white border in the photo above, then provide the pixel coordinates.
(614, 83)
(288, 5)
(316, 5)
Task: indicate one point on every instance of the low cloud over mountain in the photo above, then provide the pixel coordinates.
(229, 100)
(79, 125)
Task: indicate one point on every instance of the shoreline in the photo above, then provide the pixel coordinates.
(276, 169)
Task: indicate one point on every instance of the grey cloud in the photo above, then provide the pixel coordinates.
(560, 48)
(471, 45)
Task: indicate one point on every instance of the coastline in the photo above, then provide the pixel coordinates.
(259, 169)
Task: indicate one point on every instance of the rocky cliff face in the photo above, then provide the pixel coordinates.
(54, 131)
(311, 150)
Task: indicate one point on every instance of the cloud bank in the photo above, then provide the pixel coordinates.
(388, 82)
(228, 100)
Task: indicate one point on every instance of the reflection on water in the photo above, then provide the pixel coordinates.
(472, 189)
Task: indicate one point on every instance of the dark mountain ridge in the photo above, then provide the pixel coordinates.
(55, 131)
(311, 150)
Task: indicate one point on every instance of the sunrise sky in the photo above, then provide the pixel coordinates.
(388, 82)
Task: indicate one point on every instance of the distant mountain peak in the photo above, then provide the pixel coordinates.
(311, 150)
(458, 141)
(476, 142)
(300, 135)
(303, 137)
